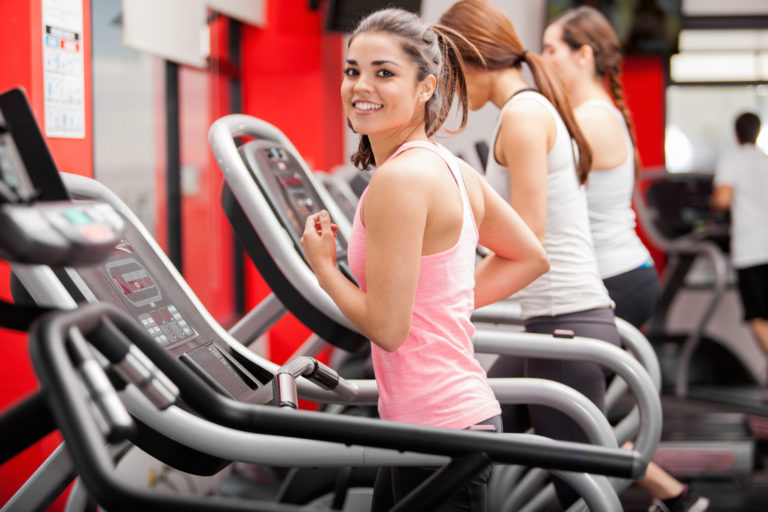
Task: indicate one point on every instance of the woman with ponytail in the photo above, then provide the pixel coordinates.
(582, 48)
(584, 51)
(539, 161)
(412, 247)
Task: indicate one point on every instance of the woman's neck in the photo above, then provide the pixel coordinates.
(506, 83)
(385, 144)
(582, 91)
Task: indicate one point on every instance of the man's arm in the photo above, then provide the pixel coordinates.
(722, 197)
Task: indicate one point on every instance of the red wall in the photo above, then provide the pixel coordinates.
(644, 85)
(21, 65)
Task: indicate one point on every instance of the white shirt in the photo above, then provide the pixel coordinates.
(746, 171)
(618, 249)
(573, 283)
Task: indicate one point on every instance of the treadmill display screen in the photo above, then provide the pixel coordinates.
(285, 184)
(140, 292)
(12, 171)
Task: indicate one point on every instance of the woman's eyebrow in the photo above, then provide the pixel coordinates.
(353, 62)
(383, 62)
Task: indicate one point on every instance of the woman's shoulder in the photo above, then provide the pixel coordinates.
(527, 120)
(528, 107)
(412, 168)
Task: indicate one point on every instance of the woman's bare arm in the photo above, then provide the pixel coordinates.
(395, 215)
(517, 256)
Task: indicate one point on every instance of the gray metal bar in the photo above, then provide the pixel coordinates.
(507, 312)
(524, 490)
(579, 348)
(45, 484)
(258, 320)
(558, 396)
(691, 343)
(236, 445)
(595, 491)
(311, 346)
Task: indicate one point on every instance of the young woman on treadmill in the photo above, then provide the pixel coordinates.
(582, 48)
(413, 241)
(539, 161)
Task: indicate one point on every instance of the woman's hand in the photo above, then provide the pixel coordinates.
(319, 241)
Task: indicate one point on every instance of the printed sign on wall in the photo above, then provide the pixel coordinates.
(63, 68)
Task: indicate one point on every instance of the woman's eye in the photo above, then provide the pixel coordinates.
(350, 72)
(385, 73)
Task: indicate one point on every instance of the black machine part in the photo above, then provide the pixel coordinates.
(56, 357)
(59, 233)
(362, 431)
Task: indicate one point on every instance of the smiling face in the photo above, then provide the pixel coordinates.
(381, 92)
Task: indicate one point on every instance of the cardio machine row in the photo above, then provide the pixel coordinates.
(156, 311)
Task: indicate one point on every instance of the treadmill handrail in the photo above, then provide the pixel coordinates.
(633, 340)
(85, 439)
(600, 352)
(695, 244)
(530, 450)
(221, 136)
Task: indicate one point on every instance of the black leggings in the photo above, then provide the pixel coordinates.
(635, 294)
(586, 377)
(394, 483)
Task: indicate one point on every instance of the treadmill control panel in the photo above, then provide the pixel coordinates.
(286, 186)
(103, 255)
(136, 281)
(142, 296)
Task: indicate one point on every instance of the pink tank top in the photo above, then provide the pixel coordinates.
(433, 378)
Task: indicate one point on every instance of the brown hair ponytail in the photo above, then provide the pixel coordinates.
(489, 30)
(617, 92)
(551, 90)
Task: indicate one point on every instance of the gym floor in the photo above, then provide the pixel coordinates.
(730, 493)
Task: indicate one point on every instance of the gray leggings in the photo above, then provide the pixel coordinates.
(586, 377)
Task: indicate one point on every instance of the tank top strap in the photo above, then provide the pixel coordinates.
(450, 162)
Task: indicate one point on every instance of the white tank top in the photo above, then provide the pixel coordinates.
(618, 249)
(573, 283)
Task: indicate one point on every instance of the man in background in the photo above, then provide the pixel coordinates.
(741, 184)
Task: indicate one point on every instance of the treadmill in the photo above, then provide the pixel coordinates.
(197, 395)
(267, 175)
(700, 441)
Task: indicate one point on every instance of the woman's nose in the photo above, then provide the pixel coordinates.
(362, 84)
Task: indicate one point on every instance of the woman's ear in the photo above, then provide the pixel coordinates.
(586, 55)
(427, 88)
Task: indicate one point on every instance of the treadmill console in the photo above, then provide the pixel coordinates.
(682, 206)
(135, 279)
(58, 233)
(102, 255)
(292, 197)
(142, 295)
(267, 195)
(38, 222)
